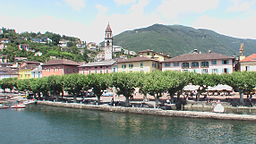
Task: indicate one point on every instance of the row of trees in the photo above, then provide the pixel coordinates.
(155, 84)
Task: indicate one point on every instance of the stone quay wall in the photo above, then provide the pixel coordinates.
(152, 111)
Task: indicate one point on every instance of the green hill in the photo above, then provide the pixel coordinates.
(177, 39)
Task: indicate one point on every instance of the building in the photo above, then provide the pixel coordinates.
(108, 44)
(63, 43)
(25, 63)
(200, 63)
(4, 40)
(98, 67)
(2, 46)
(24, 47)
(8, 72)
(138, 64)
(25, 72)
(248, 63)
(59, 67)
(153, 55)
(92, 46)
(38, 53)
(37, 72)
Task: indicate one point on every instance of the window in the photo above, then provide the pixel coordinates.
(214, 62)
(167, 64)
(130, 65)
(176, 64)
(141, 65)
(247, 68)
(204, 71)
(205, 64)
(185, 65)
(195, 64)
(214, 71)
(225, 61)
(106, 71)
(226, 70)
(123, 66)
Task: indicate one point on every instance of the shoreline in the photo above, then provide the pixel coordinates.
(152, 111)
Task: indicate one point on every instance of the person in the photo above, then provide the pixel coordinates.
(112, 101)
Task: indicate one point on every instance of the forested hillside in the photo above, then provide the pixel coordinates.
(177, 39)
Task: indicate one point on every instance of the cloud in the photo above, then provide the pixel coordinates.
(241, 5)
(236, 27)
(124, 2)
(171, 9)
(75, 4)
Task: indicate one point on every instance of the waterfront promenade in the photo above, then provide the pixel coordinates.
(152, 111)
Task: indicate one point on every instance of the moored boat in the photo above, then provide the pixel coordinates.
(18, 106)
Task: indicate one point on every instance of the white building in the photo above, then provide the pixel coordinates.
(248, 63)
(212, 63)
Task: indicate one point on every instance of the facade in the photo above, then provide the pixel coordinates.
(98, 67)
(248, 63)
(153, 55)
(59, 67)
(37, 72)
(25, 72)
(138, 64)
(7, 72)
(212, 63)
(108, 47)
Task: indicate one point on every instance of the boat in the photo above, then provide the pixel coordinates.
(29, 102)
(3, 106)
(16, 106)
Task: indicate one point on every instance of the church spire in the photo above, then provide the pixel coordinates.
(108, 29)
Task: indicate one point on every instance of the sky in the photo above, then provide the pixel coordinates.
(87, 19)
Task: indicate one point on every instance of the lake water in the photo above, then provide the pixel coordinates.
(50, 125)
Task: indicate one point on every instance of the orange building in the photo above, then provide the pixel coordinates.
(59, 67)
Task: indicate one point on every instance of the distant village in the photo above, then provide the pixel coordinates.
(110, 59)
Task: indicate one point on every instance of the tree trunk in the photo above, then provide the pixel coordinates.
(75, 98)
(145, 97)
(98, 100)
(156, 101)
(241, 98)
(126, 100)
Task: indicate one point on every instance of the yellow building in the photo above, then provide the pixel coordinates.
(138, 64)
(153, 55)
(26, 72)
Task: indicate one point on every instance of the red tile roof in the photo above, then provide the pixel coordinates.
(198, 57)
(135, 59)
(61, 62)
(251, 58)
(148, 50)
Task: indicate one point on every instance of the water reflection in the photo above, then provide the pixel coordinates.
(63, 125)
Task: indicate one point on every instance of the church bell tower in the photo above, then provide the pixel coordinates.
(108, 43)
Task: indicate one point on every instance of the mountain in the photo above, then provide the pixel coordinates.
(176, 39)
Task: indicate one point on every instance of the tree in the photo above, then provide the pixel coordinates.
(99, 83)
(242, 82)
(55, 85)
(125, 84)
(75, 84)
(155, 84)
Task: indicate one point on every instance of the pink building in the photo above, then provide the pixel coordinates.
(98, 67)
(59, 67)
